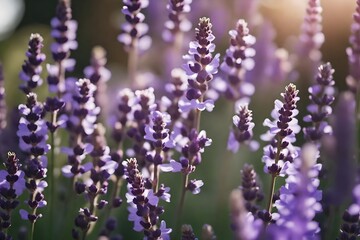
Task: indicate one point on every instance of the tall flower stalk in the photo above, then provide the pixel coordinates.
(2, 101)
(321, 97)
(32, 135)
(279, 154)
(133, 34)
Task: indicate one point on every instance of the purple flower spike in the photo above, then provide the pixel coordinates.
(157, 132)
(177, 22)
(242, 131)
(143, 204)
(134, 30)
(281, 133)
(321, 96)
(350, 229)
(312, 38)
(200, 67)
(63, 32)
(299, 198)
(12, 185)
(250, 189)
(238, 60)
(243, 223)
(98, 74)
(31, 69)
(353, 52)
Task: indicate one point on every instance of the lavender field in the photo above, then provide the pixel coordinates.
(179, 119)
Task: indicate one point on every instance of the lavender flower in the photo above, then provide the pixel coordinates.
(64, 34)
(242, 130)
(281, 133)
(143, 204)
(32, 135)
(134, 30)
(187, 233)
(350, 229)
(299, 198)
(12, 185)
(144, 104)
(237, 61)
(98, 74)
(250, 189)
(321, 96)
(177, 22)
(312, 38)
(81, 124)
(31, 69)
(353, 52)
(200, 68)
(243, 224)
(2, 101)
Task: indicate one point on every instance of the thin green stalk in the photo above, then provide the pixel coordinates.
(182, 200)
(272, 189)
(273, 177)
(51, 172)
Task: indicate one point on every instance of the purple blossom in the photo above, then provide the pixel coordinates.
(299, 198)
(321, 96)
(194, 186)
(242, 130)
(98, 74)
(250, 189)
(200, 67)
(243, 223)
(144, 104)
(64, 33)
(311, 37)
(12, 185)
(31, 69)
(350, 229)
(238, 60)
(353, 51)
(281, 133)
(177, 22)
(143, 204)
(157, 132)
(134, 30)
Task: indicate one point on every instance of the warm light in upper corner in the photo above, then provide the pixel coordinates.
(11, 12)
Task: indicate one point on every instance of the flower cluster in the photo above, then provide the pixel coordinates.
(299, 198)
(250, 189)
(281, 133)
(242, 130)
(237, 61)
(353, 52)
(64, 33)
(200, 67)
(177, 21)
(134, 31)
(32, 135)
(321, 96)
(12, 185)
(81, 124)
(31, 69)
(144, 210)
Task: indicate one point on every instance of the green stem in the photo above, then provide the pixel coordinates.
(182, 200)
(156, 178)
(272, 189)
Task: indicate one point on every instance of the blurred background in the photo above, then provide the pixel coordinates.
(99, 24)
